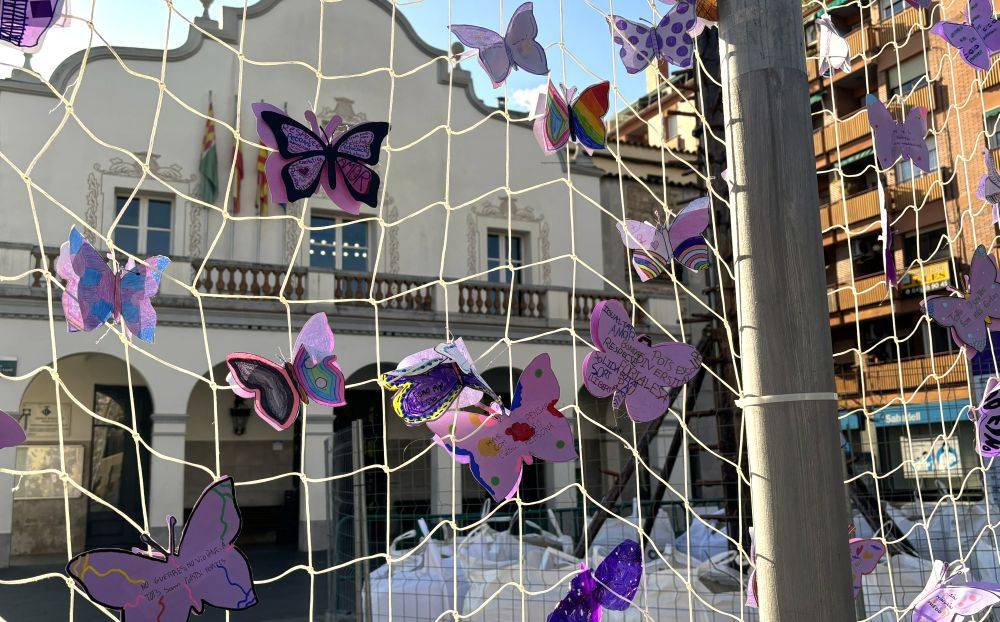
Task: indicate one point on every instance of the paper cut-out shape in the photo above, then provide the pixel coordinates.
(498, 55)
(496, 447)
(23, 23)
(612, 586)
(562, 119)
(888, 256)
(167, 584)
(987, 418)
(305, 159)
(652, 246)
(834, 52)
(629, 368)
(706, 11)
(989, 185)
(948, 597)
(278, 389)
(428, 383)
(865, 555)
(669, 40)
(969, 318)
(11, 433)
(894, 140)
(920, 4)
(978, 39)
(94, 294)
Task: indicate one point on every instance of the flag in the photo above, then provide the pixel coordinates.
(263, 191)
(208, 167)
(239, 178)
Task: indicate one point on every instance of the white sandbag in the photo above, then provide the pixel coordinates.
(614, 530)
(708, 535)
(494, 587)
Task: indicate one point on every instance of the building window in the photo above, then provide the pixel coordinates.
(496, 255)
(866, 253)
(905, 171)
(891, 7)
(993, 128)
(671, 126)
(339, 247)
(907, 76)
(929, 245)
(144, 228)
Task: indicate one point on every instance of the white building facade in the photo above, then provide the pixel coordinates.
(465, 191)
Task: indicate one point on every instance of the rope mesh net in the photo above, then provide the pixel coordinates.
(515, 559)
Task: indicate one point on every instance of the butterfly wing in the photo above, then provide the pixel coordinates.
(224, 579)
(989, 185)
(125, 580)
(618, 576)
(315, 337)
(423, 396)
(967, 40)
(580, 604)
(648, 262)
(587, 116)
(524, 50)
(686, 234)
(323, 380)
(490, 48)
(352, 181)
(70, 295)
(276, 400)
(296, 170)
(988, 421)
(671, 38)
(658, 369)
(865, 555)
(981, 18)
(39, 16)
(884, 127)
(968, 328)
(138, 286)
(910, 138)
(552, 127)
(92, 291)
(637, 41)
(11, 433)
(834, 52)
(610, 328)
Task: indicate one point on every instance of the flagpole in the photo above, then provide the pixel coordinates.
(257, 202)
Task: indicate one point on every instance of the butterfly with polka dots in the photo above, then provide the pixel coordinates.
(669, 40)
(497, 445)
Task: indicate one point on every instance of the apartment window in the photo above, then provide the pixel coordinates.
(671, 126)
(993, 128)
(145, 226)
(496, 255)
(339, 248)
(866, 253)
(907, 76)
(929, 241)
(888, 8)
(905, 171)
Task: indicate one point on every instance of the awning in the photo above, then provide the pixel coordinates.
(815, 98)
(854, 157)
(850, 422)
(915, 414)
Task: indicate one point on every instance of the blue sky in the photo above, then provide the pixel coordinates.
(589, 58)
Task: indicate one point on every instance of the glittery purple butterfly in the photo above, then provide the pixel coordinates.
(11, 433)
(987, 418)
(167, 584)
(978, 39)
(894, 140)
(23, 22)
(948, 597)
(669, 40)
(306, 159)
(94, 294)
(500, 54)
(612, 586)
(968, 317)
(631, 369)
(428, 383)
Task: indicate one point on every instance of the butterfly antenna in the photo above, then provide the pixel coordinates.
(311, 117)
(171, 527)
(151, 543)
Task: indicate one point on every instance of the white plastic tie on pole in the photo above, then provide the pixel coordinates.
(761, 400)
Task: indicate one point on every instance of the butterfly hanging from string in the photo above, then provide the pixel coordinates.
(653, 244)
(500, 54)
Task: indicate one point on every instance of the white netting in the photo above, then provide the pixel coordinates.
(368, 554)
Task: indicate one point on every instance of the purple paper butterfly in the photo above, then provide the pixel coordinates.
(948, 597)
(94, 294)
(166, 585)
(496, 447)
(989, 185)
(612, 586)
(428, 383)
(23, 22)
(977, 40)
(968, 318)
(684, 239)
(306, 159)
(278, 390)
(631, 369)
(669, 40)
(987, 418)
(893, 139)
(11, 433)
(518, 48)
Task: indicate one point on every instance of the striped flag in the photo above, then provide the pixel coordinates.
(263, 191)
(208, 167)
(239, 178)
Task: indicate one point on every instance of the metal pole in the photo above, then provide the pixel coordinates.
(798, 498)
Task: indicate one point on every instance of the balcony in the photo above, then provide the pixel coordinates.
(828, 137)
(856, 208)
(897, 29)
(871, 290)
(885, 382)
(917, 191)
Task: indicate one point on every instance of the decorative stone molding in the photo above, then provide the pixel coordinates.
(391, 214)
(498, 208)
(292, 231)
(344, 109)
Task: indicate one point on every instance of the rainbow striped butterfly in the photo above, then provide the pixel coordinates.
(948, 597)
(278, 390)
(559, 121)
(167, 584)
(652, 246)
(95, 294)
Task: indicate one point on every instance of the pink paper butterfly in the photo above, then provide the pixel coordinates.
(496, 447)
(894, 140)
(968, 318)
(307, 159)
(631, 369)
(947, 597)
(684, 239)
(278, 390)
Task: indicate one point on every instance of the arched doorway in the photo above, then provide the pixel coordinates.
(100, 454)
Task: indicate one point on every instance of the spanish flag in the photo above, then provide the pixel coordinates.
(263, 192)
